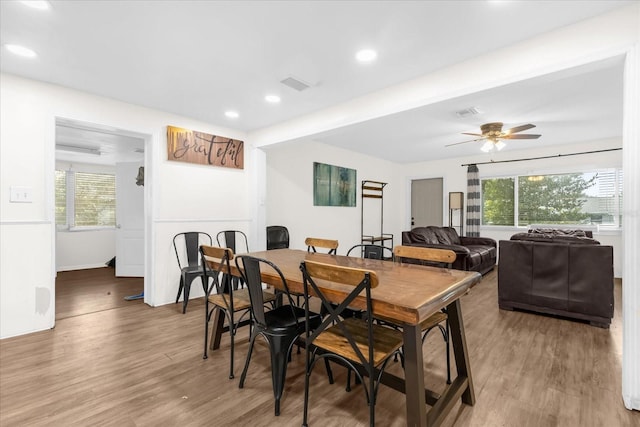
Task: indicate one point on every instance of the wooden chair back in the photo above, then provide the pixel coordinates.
(433, 255)
(314, 242)
(220, 274)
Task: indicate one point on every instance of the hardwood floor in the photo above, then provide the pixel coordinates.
(134, 365)
(87, 291)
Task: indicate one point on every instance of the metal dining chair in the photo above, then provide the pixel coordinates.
(360, 344)
(237, 241)
(186, 247)
(280, 326)
(438, 258)
(277, 237)
(221, 296)
(369, 251)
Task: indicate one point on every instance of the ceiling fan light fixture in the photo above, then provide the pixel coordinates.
(500, 145)
(487, 146)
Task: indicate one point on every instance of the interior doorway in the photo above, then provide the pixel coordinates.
(84, 151)
(426, 202)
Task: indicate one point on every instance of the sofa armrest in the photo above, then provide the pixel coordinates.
(486, 241)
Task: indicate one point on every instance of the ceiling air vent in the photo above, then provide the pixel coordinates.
(296, 84)
(471, 111)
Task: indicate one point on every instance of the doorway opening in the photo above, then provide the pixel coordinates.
(100, 216)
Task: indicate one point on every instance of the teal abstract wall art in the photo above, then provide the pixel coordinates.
(333, 185)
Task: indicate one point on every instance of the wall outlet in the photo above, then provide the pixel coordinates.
(21, 194)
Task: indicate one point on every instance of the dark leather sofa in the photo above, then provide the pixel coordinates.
(559, 272)
(472, 253)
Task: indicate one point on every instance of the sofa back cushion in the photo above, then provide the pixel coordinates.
(434, 235)
(424, 235)
(447, 235)
(555, 238)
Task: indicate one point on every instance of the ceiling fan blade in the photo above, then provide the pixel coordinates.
(523, 136)
(519, 128)
(472, 134)
(464, 142)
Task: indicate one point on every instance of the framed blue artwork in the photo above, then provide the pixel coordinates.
(333, 185)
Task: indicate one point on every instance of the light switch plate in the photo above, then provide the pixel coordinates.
(21, 194)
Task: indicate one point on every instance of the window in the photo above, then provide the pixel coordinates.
(575, 198)
(85, 199)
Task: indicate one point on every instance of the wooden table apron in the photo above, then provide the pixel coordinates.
(407, 294)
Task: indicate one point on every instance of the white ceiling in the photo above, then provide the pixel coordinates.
(201, 58)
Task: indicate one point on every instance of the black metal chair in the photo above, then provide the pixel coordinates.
(280, 326)
(438, 258)
(277, 237)
(237, 241)
(226, 299)
(189, 261)
(361, 345)
(369, 251)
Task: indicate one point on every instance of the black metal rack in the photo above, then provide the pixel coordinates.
(374, 190)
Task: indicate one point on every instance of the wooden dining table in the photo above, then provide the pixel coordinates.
(406, 295)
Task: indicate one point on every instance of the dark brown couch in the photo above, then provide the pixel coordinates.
(560, 272)
(472, 253)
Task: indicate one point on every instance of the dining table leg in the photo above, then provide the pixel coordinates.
(216, 329)
(460, 350)
(414, 376)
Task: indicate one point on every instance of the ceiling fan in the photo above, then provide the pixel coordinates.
(493, 135)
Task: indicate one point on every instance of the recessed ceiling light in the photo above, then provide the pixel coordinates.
(20, 50)
(232, 114)
(272, 99)
(37, 4)
(366, 55)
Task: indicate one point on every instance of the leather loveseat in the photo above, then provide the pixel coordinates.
(559, 272)
(472, 253)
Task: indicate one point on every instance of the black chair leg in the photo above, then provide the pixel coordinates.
(232, 333)
(185, 301)
(207, 316)
(247, 361)
(279, 346)
(329, 371)
(180, 289)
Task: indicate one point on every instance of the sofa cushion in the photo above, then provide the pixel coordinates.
(555, 238)
(424, 235)
(486, 253)
(446, 235)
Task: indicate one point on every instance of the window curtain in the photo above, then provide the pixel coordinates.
(473, 201)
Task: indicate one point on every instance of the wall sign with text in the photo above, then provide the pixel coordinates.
(184, 145)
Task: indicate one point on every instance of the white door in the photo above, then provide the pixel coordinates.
(426, 202)
(129, 221)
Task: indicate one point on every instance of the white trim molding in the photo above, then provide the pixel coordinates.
(631, 227)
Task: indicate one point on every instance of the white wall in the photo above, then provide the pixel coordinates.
(78, 250)
(179, 196)
(290, 194)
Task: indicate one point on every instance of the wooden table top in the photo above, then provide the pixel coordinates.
(407, 293)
